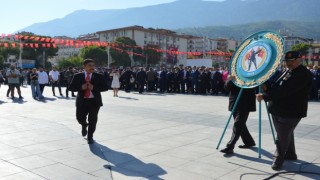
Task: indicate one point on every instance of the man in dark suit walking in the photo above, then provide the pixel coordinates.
(246, 104)
(88, 84)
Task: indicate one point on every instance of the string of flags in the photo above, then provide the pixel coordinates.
(46, 42)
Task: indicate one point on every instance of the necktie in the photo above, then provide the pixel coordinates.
(87, 93)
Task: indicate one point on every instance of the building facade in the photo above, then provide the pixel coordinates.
(166, 40)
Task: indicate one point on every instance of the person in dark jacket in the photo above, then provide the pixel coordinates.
(141, 79)
(89, 86)
(287, 95)
(246, 104)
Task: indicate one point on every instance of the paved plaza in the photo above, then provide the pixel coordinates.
(149, 136)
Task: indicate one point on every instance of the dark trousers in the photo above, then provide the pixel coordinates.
(127, 86)
(214, 87)
(42, 88)
(141, 86)
(54, 84)
(240, 130)
(285, 137)
(91, 109)
(67, 91)
(184, 85)
(163, 85)
(150, 85)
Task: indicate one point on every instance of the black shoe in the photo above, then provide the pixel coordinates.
(277, 164)
(84, 130)
(20, 97)
(246, 146)
(74, 96)
(227, 151)
(90, 141)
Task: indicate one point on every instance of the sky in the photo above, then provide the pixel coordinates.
(18, 14)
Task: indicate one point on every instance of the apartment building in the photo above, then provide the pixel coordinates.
(165, 39)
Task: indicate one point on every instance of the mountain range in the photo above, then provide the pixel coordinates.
(179, 14)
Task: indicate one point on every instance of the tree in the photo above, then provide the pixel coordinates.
(302, 48)
(151, 52)
(98, 54)
(120, 53)
(74, 61)
(5, 52)
(1, 61)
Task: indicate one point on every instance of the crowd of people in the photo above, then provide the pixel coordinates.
(186, 80)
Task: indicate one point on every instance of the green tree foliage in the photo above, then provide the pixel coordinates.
(125, 45)
(98, 54)
(1, 62)
(302, 48)
(152, 54)
(74, 61)
(5, 52)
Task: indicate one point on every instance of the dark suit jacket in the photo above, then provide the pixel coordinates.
(247, 102)
(288, 95)
(99, 85)
(141, 76)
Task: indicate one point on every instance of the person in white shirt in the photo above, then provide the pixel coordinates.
(43, 79)
(55, 80)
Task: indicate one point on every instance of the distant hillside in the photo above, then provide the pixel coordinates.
(181, 14)
(238, 32)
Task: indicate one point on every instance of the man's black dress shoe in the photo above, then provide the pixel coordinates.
(90, 141)
(246, 146)
(227, 151)
(84, 130)
(277, 164)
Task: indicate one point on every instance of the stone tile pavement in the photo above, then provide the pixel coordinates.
(150, 136)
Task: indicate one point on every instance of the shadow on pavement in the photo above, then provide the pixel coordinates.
(46, 99)
(125, 163)
(303, 168)
(128, 98)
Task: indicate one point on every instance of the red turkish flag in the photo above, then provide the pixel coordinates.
(43, 45)
(9, 36)
(48, 40)
(54, 45)
(42, 39)
(16, 37)
(31, 45)
(13, 45)
(21, 45)
(37, 38)
(5, 45)
(36, 45)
